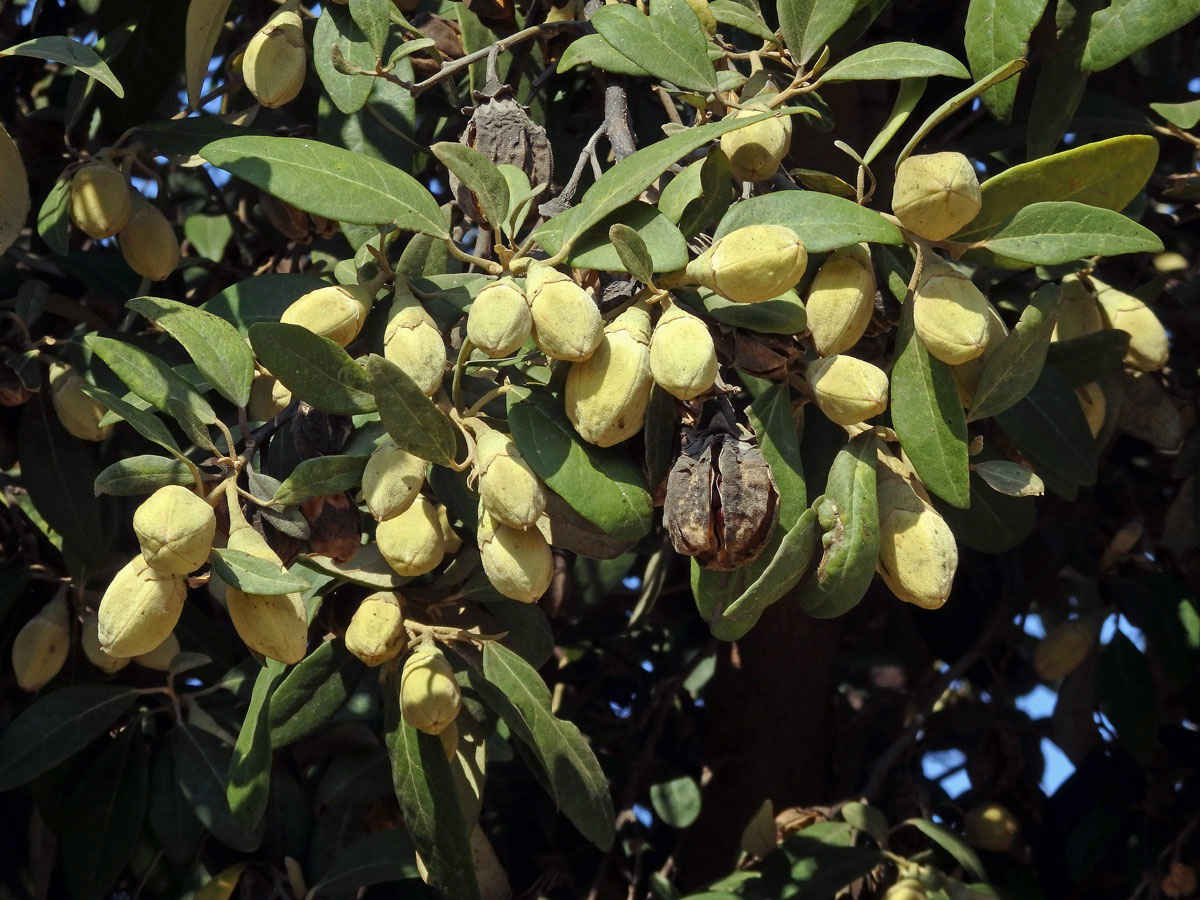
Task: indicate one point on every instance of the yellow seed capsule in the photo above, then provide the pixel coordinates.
(606, 394)
(848, 390)
(1078, 311)
(449, 739)
(905, 889)
(967, 375)
(755, 151)
(89, 640)
(1063, 648)
(412, 542)
(991, 826)
(950, 316)
(683, 359)
(841, 300)
(376, 631)
(1094, 405)
(936, 194)
(391, 481)
(413, 342)
(139, 609)
(517, 562)
(99, 201)
(752, 264)
(175, 529)
(79, 414)
(917, 552)
(276, 59)
(40, 647)
(336, 311)
(452, 541)
(160, 657)
(1148, 343)
(508, 487)
(566, 321)
(148, 242)
(499, 321)
(429, 694)
(268, 398)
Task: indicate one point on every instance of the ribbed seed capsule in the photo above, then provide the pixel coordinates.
(1063, 648)
(566, 321)
(268, 398)
(99, 200)
(412, 542)
(376, 631)
(413, 342)
(967, 375)
(139, 609)
(336, 311)
(160, 657)
(755, 151)
(89, 640)
(991, 826)
(1148, 343)
(499, 321)
(1078, 311)
(148, 242)
(276, 59)
(391, 481)
(429, 694)
(40, 647)
(606, 394)
(936, 194)
(950, 316)
(848, 390)
(517, 562)
(175, 529)
(752, 264)
(79, 414)
(508, 487)
(917, 552)
(841, 300)
(683, 359)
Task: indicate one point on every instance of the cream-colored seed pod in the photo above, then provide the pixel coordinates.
(79, 414)
(89, 640)
(1149, 346)
(160, 657)
(848, 390)
(391, 480)
(412, 341)
(499, 320)
(905, 889)
(751, 264)
(991, 826)
(449, 738)
(268, 398)
(429, 694)
(967, 375)
(40, 647)
(508, 488)
(449, 536)
(175, 529)
(276, 59)
(412, 543)
(148, 242)
(566, 321)
(517, 562)
(1094, 405)
(917, 552)
(683, 358)
(755, 151)
(936, 194)
(99, 200)
(950, 316)
(376, 631)
(606, 394)
(336, 311)
(841, 300)
(1063, 648)
(1078, 311)
(280, 395)
(139, 609)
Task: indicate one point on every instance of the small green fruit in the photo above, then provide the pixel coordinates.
(751, 264)
(566, 321)
(79, 414)
(950, 316)
(413, 342)
(392, 480)
(991, 827)
(336, 311)
(606, 394)
(683, 358)
(148, 242)
(276, 59)
(848, 390)
(376, 631)
(936, 194)
(841, 300)
(499, 321)
(40, 647)
(508, 487)
(412, 542)
(918, 555)
(429, 694)
(175, 529)
(99, 202)
(139, 609)
(518, 562)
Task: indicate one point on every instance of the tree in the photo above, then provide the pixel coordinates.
(449, 448)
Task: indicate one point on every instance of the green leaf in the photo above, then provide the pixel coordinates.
(319, 477)
(868, 820)
(594, 248)
(997, 31)
(951, 843)
(313, 692)
(53, 221)
(215, 346)
(1062, 231)
(254, 575)
(994, 523)
(250, 768)
(56, 726)
(593, 50)
(201, 763)
(1107, 174)
(144, 422)
(1089, 357)
(1013, 367)
(359, 776)
(411, 419)
(1127, 695)
(657, 45)
(1048, 426)
(59, 49)
(330, 182)
(260, 298)
(375, 858)
(603, 486)
(1061, 80)
(770, 415)
(433, 817)
(807, 25)
(578, 782)
(210, 235)
(784, 314)
(634, 254)
(479, 175)
(816, 861)
(677, 802)
(1126, 26)
(313, 368)
(730, 12)
(822, 221)
(1184, 115)
(1010, 478)
(221, 886)
(898, 59)
(928, 417)
(141, 475)
(907, 97)
(374, 19)
(170, 818)
(715, 195)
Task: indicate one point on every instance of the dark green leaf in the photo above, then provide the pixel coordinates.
(1010, 478)
(994, 522)
(141, 475)
(951, 843)
(261, 298)
(1127, 695)
(593, 50)
(822, 221)
(254, 575)
(144, 422)
(730, 12)
(1127, 26)
(479, 175)
(770, 414)
(997, 31)
(313, 368)
(375, 858)
(594, 249)
(201, 763)
(657, 45)
(57, 48)
(359, 776)
(807, 25)
(170, 816)
(411, 419)
(319, 477)
(250, 768)
(313, 691)
(899, 59)
(634, 254)
(374, 19)
(53, 220)
(1185, 115)
(1062, 231)
(1048, 426)
(677, 802)
(784, 314)
(1013, 367)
